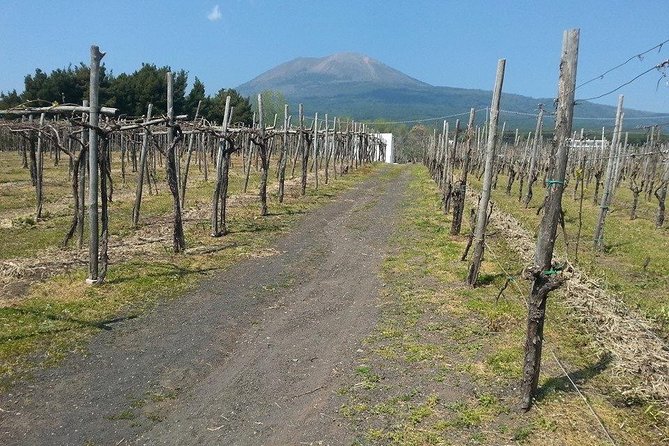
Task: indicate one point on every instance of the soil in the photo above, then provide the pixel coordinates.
(253, 356)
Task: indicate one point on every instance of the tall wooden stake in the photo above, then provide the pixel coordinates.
(82, 188)
(216, 221)
(284, 154)
(304, 151)
(316, 151)
(481, 219)
(263, 152)
(609, 179)
(174, 136)
(39, 171)
(141, 170)
(93, 120)
(532, 174)
(189, 154)
(460, 190)
(545, 277)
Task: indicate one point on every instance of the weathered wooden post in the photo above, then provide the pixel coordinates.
(216, 199)
(543, 272)
(460, 190)
(653, 161)
(189, 155)
(284, 154)
(316, 151)
(661, 195)
(532, 172)
(143, 168)
(481, 218)
(83, 163)
(304, 150)
(93, 121)
(174, 136)
(450, 165)
(39, 170)
(326, 147)
(264, 159)
(609, 179)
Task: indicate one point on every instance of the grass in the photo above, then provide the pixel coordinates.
(460, 352)
(55, 317)
(629, 244)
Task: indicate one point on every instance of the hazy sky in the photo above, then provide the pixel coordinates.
(452, 43)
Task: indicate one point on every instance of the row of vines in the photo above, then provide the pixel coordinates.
(89, 137)
(472, 164)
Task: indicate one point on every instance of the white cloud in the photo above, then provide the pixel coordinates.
(215, 14)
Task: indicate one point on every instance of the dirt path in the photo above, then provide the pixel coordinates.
(254, 356)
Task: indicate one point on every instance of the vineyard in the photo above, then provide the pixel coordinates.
(227, 276)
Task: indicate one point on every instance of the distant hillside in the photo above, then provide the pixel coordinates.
(357, 86)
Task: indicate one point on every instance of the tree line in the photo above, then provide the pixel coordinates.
(131, 92)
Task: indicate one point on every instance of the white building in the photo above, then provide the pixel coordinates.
(587, 144)
(390, 153)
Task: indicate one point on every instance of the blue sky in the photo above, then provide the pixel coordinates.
(453, 43)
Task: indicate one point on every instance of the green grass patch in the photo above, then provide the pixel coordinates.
(460, 350)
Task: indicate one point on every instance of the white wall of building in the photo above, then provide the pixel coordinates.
(390, 153)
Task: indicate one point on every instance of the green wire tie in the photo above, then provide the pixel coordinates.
(555, 270)
(551, 182)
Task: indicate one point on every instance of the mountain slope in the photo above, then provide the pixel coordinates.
(357, 86)
(307, 76)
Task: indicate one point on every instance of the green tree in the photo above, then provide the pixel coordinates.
(242, 113)
(131, 93)
(63, 85)
(180, 84)
(9, 99)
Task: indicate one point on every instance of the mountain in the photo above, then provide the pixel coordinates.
(357, 86)
(339, 73)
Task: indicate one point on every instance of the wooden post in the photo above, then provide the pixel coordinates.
(215, 231)
(326, 147)
(304, 150)
(39, 170)
(532, 174)
(661, 195)
(264, 159)
(443, 160)
(481, 219)
(545, 277)
(93, 120)
(460, 190)
(621, 156)
(581, 180)
(608, 179)
(450, 165)
(316, 151)
(143, 168)
(170, 107)
(189, 155)
(284, 154)
(174, 135)
(82, 186)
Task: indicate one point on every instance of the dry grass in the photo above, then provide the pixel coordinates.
(640, 358)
